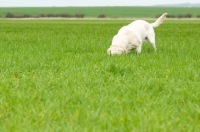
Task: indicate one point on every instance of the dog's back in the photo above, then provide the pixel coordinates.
(141, 27)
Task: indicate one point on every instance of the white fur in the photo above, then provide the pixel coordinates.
(134, 35)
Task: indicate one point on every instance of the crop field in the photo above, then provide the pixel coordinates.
(113, 12)
(55, 75)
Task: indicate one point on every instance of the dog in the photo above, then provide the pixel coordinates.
(134, 35)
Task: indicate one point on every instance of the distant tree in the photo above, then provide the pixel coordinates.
(67, 15)
(171, 16)
(101, 16)
(79, 15)
(188, 15)
(9, 15)
(27, 16)
(50, 15)
(41, 15)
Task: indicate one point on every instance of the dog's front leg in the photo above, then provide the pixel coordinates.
(139, 49)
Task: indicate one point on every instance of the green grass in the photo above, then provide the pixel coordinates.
(56, 76)
(139, 12)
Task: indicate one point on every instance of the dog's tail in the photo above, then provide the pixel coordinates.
(159, 20)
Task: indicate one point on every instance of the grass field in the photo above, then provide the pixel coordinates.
(138, 12)
(56, 76)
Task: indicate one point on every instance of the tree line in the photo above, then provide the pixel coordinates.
(66, 15)
(187, 15)
(49, 15)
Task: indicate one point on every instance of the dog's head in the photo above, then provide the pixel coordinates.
(116, 51)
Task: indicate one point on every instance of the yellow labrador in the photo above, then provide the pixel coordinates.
(134, 35)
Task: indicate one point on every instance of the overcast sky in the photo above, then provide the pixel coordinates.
(35, 3)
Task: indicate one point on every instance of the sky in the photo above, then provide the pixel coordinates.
(42, 3)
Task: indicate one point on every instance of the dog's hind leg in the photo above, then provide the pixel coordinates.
(151, 39)
(152, 42)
